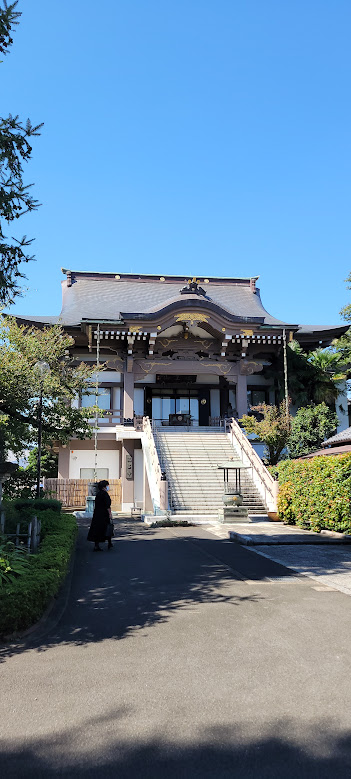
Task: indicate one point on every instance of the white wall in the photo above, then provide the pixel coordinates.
(116, 401)
(83, 458)
(341, 408)
(138, 475)
(139, 401)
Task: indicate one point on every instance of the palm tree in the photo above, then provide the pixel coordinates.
(312, 378)
(329, 374)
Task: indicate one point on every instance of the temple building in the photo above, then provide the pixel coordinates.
(184, 353)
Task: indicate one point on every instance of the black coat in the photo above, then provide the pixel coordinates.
(101, 517)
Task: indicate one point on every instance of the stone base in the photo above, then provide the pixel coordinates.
(231, 514)
(89, 508)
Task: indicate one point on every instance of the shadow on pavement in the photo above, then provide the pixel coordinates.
(146, 578)
(285, 750)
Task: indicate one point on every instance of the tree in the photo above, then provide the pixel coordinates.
(21, 348)
(309, 428)
(49, 463)
(22, 483)
(346, 310)
(313, 378)
(8, 18)
(271, 425)
(15, 196)
(343, 344)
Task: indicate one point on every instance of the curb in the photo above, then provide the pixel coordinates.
(317, 540)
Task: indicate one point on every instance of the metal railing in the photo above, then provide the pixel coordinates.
(264, 482)
(194, 423)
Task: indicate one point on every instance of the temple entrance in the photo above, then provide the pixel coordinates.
(185, 400)
(168, 405)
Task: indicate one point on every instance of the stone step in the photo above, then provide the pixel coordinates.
(190, 458)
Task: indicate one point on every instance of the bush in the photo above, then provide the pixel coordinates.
(26, 507)
(14, 561)
(24, 601)
(22, 484)
(309, 428)
(316, 493)
(22, 511)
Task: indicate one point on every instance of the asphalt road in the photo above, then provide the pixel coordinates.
(182, 655)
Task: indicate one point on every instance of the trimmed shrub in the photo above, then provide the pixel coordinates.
(24, 601)
(29, 507)
(316, 493)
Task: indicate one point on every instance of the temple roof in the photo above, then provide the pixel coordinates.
(109, 297)
(100, 295)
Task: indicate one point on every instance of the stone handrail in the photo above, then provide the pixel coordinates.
(157, 485)
(264, 482)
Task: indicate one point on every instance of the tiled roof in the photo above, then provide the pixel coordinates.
(324, 452)
(106, 297)
(43, 319)
(101, 297)
(340, 438)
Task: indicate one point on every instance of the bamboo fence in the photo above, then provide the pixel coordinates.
(73, 492)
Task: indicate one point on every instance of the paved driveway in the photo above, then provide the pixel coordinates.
(182, 655)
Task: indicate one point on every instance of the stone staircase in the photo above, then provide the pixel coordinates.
(190, 457)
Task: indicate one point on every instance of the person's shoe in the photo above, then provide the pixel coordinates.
(98, 549)
(109, 546)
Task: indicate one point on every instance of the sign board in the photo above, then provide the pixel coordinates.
(129, 466)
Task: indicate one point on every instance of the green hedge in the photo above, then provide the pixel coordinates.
(23, 602)
(316, 493)
(29, 507)
(23, 510)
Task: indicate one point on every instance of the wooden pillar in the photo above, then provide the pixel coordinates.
(128, 395)
(241, 395)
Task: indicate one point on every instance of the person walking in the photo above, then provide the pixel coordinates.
(102, 517)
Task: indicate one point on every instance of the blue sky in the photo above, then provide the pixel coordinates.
(192, 137)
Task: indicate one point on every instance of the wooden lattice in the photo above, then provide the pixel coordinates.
(73, 492)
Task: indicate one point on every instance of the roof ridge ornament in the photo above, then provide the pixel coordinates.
(193, 288)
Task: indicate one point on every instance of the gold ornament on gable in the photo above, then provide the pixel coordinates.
(191, 318)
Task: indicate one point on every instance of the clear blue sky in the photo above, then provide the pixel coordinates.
(195, 137)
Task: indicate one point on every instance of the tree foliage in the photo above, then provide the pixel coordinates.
(314, 377)
(343, 344)
(49, 462)
(21, 348)
(315, 493)
(8, 19)
(309, 428)
(16, 197)
(271, 425)
(346, 310)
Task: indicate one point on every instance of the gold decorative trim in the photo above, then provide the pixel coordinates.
(191, 317)
(134, 329)
(246, 333)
